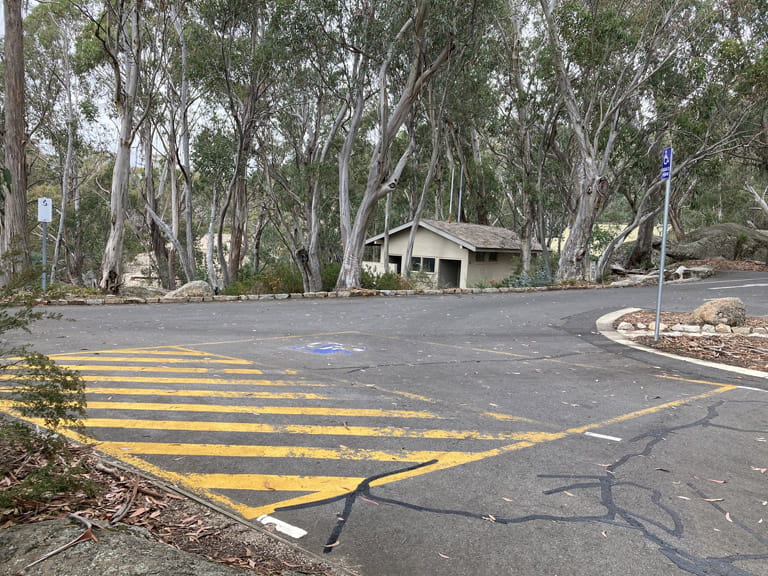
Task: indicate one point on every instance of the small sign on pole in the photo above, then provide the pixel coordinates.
(44, 215)
(44, 210)
(666, 164)
(666, 174)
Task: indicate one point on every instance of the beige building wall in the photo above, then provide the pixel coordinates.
(485, 272)
(430, 245)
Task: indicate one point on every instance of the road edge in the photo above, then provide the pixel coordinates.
(605, 327)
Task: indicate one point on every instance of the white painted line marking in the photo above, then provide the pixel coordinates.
(603, 436)
(280, 526)
(736, 287)
(750, 388)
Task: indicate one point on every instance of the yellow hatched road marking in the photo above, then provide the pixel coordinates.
(509, 418)
(204, 393)
(274, 482)
(106, 358)
(314, 488)
(258, 428)
(165, 380)
(240, 451)
(300, 410)
(131, 368)
(319, 488)
(157, 351)
(189, 381)
(175, 369)
(168, 351)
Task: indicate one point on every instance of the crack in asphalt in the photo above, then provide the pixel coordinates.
(658, 532)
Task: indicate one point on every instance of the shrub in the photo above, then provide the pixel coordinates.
(330, 274)
(277, 278)
(35, 387)
(524, 280)
(384, 281)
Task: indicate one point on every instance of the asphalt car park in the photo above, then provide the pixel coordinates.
(442, 434)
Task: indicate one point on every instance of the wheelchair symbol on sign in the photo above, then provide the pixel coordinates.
(328, 348)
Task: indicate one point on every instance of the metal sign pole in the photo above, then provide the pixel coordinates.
(45, 263)
(44, 215)
(666, 174)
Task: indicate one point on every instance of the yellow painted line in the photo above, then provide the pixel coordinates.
(190, 381)
(651, 410)
(532, 439)
(320, 487)
(130, 368)
(510, 418)
(148, 467)
(273, 482)
(108, 358)
(153, 351)
(294, 337)
(204, 393)
(708, 382)
(258, 428)
(457, 459)
(408, 395)
(160, 369)
(158, 351)
(250, 451)
(298, 410)
(251, 512)
(452, 346)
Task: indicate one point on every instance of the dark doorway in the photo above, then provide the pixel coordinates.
(449, 273)
(396, 262)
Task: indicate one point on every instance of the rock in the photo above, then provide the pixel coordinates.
(731, 241)
(686, 328)
(196, 288)
(723, 329)
(618, 269)
(118, 551)
(693, 272)
(625, 326)
(728, 311)
(742, 330)
(637, 280)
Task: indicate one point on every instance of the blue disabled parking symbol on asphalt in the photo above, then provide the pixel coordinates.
(328, 348)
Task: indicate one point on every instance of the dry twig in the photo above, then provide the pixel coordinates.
(84, 537)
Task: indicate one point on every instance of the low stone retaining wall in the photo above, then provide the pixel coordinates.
(106, 300)
(641, 329)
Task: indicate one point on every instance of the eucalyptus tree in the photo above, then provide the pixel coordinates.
(471, 118)
(166, 136)
(702, 106)
(14, 238)
(236, 47)
(604, 55)
(413, 46)
(112, 46)
(55, 96)
(212, 151)
(528, 115)
(297, 153)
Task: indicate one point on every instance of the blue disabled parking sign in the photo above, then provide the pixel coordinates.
(666, 164)
(328, 348)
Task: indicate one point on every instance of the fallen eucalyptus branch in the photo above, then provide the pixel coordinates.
(84, 537)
